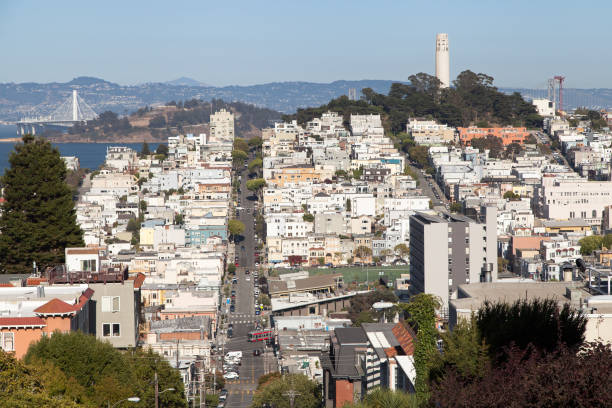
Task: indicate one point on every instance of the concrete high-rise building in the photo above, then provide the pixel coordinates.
(222, 126)
(442, 60)
(449, 250)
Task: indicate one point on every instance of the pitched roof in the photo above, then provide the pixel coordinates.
(6, 285)
(406, 338)
(35, 281)
(58, 307)
(138, 280)
(55, 307)
(21, 322)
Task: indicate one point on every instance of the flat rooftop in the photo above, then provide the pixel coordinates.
(473, 295)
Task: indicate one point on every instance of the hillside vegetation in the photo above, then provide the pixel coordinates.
(473, 100)
(156, 124)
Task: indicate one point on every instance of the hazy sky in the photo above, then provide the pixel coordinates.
(519, 43)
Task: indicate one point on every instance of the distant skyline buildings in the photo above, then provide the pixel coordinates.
(442, 60)
(136, 42)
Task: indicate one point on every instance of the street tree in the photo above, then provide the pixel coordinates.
(255, 164)
(239, 156)
(401, 250)
(256, 184)
(276, 392)
(363, 252)
(38, 218)
(236, 227)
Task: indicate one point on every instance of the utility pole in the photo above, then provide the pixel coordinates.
(202, 386)
(291, 393)
(177, 354)
(156, 391)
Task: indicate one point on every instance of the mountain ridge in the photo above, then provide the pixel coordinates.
(30, 98)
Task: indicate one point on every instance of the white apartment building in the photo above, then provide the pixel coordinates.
(222, 126)
(565, 199)
(366, 125)
(287, 225)
(427, 132)
(544, 107)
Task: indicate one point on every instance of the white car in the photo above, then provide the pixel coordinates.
(231, 376)
(247, 279)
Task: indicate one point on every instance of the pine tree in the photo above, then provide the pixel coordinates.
(145, 151)
(38, 218)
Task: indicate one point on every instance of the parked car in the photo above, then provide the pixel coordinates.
(256, 352)
(231, 376)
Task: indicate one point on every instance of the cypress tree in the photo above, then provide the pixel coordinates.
(38, 217)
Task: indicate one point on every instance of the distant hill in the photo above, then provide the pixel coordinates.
(27, 99)
(184, 81)
(156, 124)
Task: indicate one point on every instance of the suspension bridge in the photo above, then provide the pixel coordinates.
(72, 111)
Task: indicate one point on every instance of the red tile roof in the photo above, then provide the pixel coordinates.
(6, 285)
(138, 280)
(55, 307)
(406, 337)
(58, 307)
(21, 321)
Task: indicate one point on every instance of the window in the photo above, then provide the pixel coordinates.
(116, 330)
(8, 341)
(110, 303)
(106, 327)
(88, 265)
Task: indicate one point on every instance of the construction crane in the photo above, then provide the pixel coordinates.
(560, 79)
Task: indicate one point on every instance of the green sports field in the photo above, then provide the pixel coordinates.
(358, 273)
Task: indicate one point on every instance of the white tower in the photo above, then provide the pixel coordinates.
(442, 60)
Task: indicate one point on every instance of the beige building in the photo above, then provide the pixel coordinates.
(427, 132)
(222, 126)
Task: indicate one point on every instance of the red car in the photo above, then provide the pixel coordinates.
(236, 264)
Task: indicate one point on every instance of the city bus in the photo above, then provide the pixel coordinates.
(261, 335)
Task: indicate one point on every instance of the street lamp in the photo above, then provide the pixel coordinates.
(131, 399)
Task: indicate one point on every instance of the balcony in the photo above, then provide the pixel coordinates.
(59, 274)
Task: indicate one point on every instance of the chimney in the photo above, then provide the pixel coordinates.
(40, 291)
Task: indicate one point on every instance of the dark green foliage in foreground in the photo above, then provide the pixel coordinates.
(38, 218)
(96, 372)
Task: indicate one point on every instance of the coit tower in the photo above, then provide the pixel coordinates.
(442, 60)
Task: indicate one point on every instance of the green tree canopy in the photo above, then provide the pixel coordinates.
(386, 398)
(38, 218)
(241, 144)
(145, 151)
(106, 374)
(255, 164)
(236, 227)
(272, 392)
(25, 386)
(363, 252)
(255, 142)
(162, 149)
(538, 322)
(401, 250)
(256, 184)
(510, 195)
(239, 156)
(308, 217)
(421, 314)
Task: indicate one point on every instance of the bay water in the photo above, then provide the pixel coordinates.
(91, 155)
